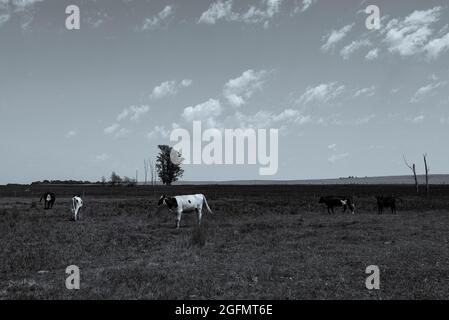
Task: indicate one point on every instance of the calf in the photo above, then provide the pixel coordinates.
(77, 203)
(188, 203)
(386, 202)
(49, 200)
(333, 201)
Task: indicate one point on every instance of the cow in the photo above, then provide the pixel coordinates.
(49, 200)
(334, 201)
(184, 204)
(76, 205)
(386, 202)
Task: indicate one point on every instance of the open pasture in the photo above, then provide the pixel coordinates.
(262, 242)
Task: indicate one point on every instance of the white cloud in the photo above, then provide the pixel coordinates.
(158, 131)
(336, 36)
(427, 90)
(306, 4)
(267, 119)
(372, 55)
(220, 10)
(353, 47)
(364, 120)
(4, 18)
(416, 120)
(332, 147)
(206, 111)
(111, 129)
(337, 157)
(158, 20)
(238, 90)
(133, 112)
(410, 35)
(71, 134)
(367, 92)
(437, 46)
(121, 133)
(322, 93)
(101, 157)
(169, 88)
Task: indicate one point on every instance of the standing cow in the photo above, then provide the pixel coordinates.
(188, 203)
(76, 206)
(386, 202)
(334, 201)
(49, 200)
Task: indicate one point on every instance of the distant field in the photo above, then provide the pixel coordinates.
(262, 242)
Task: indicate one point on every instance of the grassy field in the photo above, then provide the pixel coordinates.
(262, 242)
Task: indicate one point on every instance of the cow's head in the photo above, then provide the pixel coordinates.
(161, 200)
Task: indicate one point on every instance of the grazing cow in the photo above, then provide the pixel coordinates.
(77, 203)
(49, 200)
(333, 201)
(187, 203)
(386, 202)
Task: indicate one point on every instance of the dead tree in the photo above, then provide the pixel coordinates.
(146, 166)
(426, 167)
(412, 167)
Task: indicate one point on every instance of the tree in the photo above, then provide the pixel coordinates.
(115, 179)
(145, 168)
(103, 180)
(167, 171)
(426, 167)
(412, 167)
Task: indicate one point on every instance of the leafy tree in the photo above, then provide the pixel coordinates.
(115, 179)
(167, 171)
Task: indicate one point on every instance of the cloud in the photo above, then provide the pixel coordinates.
(353, 47)
(372, 55)
(425, 91)
(437, 46)
(306, 4)
(410, 35)
(71, 134)
(365, 119)
(337, 157)
(267, 119)
(238, 90)
(206, 111)
(332, 147)
(101, 157)
(121, 133)
(4, 18)
(158, 131)
(133, 112)
(322, 93)
(111, 129)
(367, 92)
(220, 10)
(416, 120)
(336, 36)
(169, 88)
(158, 20)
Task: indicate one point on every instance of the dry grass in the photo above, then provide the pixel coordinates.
(260, 243)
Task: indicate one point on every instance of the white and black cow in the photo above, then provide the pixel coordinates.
(77, 203)
(334, 201)
(184, 204)
(49, 200)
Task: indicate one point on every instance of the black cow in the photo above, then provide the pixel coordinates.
(334, 201)
(386, 202)
(49, 200)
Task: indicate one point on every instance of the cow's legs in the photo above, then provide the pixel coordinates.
(178, 219)
(200, 215)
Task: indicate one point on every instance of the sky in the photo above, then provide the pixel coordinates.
(347, 100)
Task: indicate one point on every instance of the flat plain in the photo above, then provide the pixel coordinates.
(261, 242)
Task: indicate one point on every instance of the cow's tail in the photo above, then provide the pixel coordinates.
(207, 205)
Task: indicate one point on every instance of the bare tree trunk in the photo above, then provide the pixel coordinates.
(146, 167)
(427, 173)
(413, 169)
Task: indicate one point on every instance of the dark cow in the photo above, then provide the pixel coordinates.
(386, 202)
(49, 200)
(334, 201)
